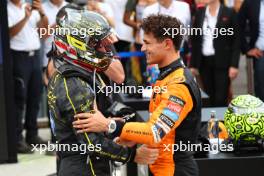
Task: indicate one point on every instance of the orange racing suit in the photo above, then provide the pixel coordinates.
(175, 116)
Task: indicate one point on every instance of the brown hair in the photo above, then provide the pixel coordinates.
(159, 24)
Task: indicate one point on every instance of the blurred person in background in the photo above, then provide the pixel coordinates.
(23, 21)
(177, 9)
(133, 17)
(192, 5)
(236, 4)
(251, 17)
(102, 8)
(124, 34)
(115, 72)
(215, 57)
(50, 8)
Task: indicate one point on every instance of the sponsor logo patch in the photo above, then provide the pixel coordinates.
(155, 134)
(158, 132)
(166, 120)
(177, 100)
(172, 115)
(163, 125)
(174, 107)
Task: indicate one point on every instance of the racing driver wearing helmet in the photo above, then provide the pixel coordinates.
(81, 49)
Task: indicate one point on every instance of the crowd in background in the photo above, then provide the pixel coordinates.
(213, 61)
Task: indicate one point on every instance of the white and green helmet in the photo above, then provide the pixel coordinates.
(244, 119)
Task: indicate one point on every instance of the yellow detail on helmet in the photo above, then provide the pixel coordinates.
(76, 43)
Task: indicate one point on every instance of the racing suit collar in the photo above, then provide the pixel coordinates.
(164, 71)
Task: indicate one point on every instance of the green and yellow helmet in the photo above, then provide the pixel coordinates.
(244, 119)
(82, 38)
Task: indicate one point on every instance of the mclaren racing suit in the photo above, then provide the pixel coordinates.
(175, 116)
(70, 92)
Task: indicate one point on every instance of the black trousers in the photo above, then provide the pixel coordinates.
(215, 81)
(28, 87)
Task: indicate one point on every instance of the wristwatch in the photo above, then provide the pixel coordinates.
(111, 126)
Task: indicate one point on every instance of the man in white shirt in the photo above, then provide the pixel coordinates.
(23, 21)
(50, 8)
(102, 8)
(123, 31)
(177, 9)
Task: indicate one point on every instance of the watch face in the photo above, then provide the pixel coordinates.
(112, 126)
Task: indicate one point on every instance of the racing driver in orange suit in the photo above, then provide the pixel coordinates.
(175, 114)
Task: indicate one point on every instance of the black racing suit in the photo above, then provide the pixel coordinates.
(70, 91)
